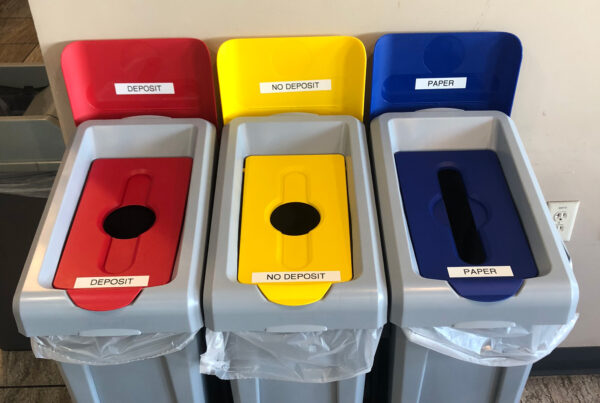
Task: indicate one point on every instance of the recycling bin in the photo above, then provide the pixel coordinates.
(480, 283)
(111, 287)
(294, 295)
(31, 147)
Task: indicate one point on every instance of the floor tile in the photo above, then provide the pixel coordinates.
(15, 53)
(14, 8)
(562, 389)
(21, 368)
(35, 395)
(17, 31)
(35, 56)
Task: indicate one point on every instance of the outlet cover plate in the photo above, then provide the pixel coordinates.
(563, 214)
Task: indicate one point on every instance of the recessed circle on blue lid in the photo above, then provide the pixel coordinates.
(444, 54)
(438, 211)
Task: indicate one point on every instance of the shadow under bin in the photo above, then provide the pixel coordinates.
(481, 286)
(111, 289)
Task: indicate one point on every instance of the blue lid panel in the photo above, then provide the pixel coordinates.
(461, 215)
(463, 70)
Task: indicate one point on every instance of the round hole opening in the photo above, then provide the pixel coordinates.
(129, 221)
(295, 218)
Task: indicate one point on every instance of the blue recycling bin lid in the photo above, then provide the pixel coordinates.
(463, 223)
(463, 70)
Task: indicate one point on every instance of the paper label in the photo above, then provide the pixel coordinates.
(480, 271)
(440, 83)
(110, 282)
(295, 276)
(295, 86)
(144, 88)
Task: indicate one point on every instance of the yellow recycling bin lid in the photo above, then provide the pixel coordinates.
(295, 230)
(264, 76)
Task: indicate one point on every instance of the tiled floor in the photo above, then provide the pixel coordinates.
(562, 389)
(18, 40)
(25, 379)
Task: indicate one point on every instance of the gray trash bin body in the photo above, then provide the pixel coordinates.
(31, 147)
(125, 370)
(355, 309)
(169, 378)
(543, 310)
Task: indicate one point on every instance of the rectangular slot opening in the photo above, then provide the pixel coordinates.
(466, 238)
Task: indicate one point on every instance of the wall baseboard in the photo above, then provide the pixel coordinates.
(569, 361)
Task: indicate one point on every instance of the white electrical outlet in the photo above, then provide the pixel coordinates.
(563, 214)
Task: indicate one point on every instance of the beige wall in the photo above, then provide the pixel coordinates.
(556, 109)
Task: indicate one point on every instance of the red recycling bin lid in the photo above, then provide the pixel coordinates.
(125, 232)
(112, 79)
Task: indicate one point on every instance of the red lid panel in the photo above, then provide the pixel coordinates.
(111, 79)
(125, 232)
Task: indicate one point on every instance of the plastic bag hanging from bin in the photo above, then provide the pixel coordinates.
(316, 357)
(108, 350)
(495, 347)
(29, 184)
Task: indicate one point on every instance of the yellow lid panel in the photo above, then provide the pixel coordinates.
(264, 76)
(295, 229)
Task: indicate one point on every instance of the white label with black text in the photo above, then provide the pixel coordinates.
(441, 83)
(144, 88)
(106, 282)
(480, 271)
(295, 86)
(295, 276)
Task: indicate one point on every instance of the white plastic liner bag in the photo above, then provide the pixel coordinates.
(30, 184)
(108, 350)
(315, 357)
(495, 347)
